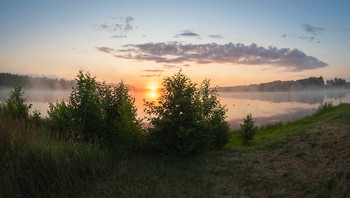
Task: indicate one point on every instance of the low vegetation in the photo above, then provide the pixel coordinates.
(248, 129)
(16, 106)
(62, 156)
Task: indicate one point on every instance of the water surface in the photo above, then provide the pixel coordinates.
(266, 107)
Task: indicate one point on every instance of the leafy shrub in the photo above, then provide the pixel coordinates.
(323, 108)
(248, 129)
(187, 119)
(15, 105)
(86, 107)
(126, 134)
(214, 115)
(60, 117)
(99, 112)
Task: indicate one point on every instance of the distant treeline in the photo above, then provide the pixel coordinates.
(312, 83)
(11, 80)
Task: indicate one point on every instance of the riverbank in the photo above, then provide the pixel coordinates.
(308, 157)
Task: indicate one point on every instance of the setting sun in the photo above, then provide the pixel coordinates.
(153, 88)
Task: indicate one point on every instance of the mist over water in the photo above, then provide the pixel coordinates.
(266, 107)
(270, 107)
(39, 98)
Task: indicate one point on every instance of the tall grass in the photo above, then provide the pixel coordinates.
(35, 164)
(324, 108)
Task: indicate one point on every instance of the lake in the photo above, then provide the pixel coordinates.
(266, 107)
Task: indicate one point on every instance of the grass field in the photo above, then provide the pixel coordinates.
(305, 158)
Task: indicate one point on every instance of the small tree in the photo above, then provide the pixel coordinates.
(214, 114)
(248, 129)
(86, 107)
(15, 105)
(187, 119)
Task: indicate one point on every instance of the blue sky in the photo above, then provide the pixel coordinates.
(230, 42)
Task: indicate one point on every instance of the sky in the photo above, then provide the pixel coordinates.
(141, 42)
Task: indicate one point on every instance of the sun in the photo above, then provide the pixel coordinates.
(153, 87)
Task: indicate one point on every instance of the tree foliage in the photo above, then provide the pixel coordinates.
(337, 82)
(60, 117)
(186, 119)
(15, 105)
(98, 112)
(248, 129)
(11, 80)
(298, 85)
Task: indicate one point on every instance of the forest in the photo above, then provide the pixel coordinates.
(29, 82)
(311, 83)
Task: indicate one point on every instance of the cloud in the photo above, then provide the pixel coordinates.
(118, 36)
(107, 50)
(187, 33)
(170, 66)
(153, 70)
(217, 36)
(177, 53)
(101, 26)
(151, 75)
(124, 26)
(127, 19)
(312, 29)
(308, 38)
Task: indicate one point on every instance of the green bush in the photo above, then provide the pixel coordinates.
(85, 106)
(187, 119)
(15, 105)
(214, 115)
(60, 118)
(97, 112)
(248, 129)
(126, 134)
(323, 108)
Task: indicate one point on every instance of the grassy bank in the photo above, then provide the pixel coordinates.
(273, 133)
(308, 157)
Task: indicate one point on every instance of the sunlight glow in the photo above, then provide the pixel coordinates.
(153, 88)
